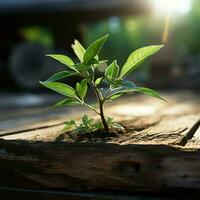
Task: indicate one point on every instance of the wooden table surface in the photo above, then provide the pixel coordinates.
(162, 152)
(155, 122)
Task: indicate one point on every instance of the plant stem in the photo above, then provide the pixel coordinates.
(88, 106)
(106, 127)
(91, 108)
(101, 102)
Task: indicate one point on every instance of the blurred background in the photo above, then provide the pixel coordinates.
(31, 28)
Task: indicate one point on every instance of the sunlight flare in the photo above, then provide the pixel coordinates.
(176, 7)
(170, 9)
(165, 34)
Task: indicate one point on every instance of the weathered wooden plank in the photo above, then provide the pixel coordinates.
(144, 166)
(169, 130)
(43, 134)
(149, 122)
(25, 121)
(179, 103)
(51, 133)
(141, 130)
(40, 119)
(171, 123)
(44, 118)
(131, 106)
(82, 167)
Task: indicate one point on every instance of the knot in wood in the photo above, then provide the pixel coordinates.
(128, 168)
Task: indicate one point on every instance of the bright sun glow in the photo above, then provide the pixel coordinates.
(175, 7)
(170, 9)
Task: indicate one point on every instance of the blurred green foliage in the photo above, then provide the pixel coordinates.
(186, 31)
(39, 35)
(129, 33)
(126, 34)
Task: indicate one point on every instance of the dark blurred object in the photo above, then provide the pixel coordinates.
(61, 18)
(100, 8)
(28, 64)
(169, 70)
(191, 73)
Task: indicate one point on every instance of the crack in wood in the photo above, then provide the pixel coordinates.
(190, 134)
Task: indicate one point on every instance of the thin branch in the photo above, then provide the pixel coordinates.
(91, 108)
(88, 106)
(101, 102)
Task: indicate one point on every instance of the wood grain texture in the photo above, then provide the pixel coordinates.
(24, 121)
(41, 134)
(155, 129)
(84, 167)
(36, 120)
(145, 117)
(170, 130)
(160, 151)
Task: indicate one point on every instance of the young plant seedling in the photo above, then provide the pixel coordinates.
(113, 78)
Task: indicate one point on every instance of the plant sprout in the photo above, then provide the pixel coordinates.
(113, 81)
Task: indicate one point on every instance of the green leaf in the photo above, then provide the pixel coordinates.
(60, 88)
(84, 70)
(79, 50)
(67, 102)
(85, 119)
(149, 92)
(69, 125)
(88, 122)
(104, 91)
(98, 81)
(118, 127)
(117, 91)
(115, 96)
(63, 59)
(80, 67)
(93, 61)
(127, 84)
(137, 57)
(70, 122)
(112, 71)
(123, 90)
(81, 88)
(94, 49)
(61, 75)
(123, 87)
